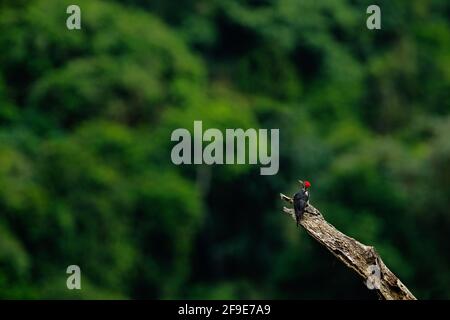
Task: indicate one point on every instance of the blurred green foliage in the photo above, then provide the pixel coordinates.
(86, 118)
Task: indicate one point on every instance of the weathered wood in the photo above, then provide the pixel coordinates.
(352, 253)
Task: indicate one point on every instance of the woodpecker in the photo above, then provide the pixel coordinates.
(301, 200)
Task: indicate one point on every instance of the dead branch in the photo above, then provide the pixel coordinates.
(355, 255)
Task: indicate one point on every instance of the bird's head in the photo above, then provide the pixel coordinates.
(305, 184)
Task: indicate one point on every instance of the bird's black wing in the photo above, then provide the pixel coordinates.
(300, 202)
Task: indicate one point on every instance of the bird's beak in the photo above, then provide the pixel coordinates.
(301, 183)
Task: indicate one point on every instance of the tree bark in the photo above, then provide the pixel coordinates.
(364, 260)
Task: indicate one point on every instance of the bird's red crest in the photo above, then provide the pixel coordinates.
(307, 184)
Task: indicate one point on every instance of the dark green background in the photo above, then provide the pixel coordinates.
(85, 124)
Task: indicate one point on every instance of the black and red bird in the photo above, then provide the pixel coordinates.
(301, 200)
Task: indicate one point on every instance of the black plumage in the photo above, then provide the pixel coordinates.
(301, 199)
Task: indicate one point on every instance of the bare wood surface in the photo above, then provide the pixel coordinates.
(355, 255)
